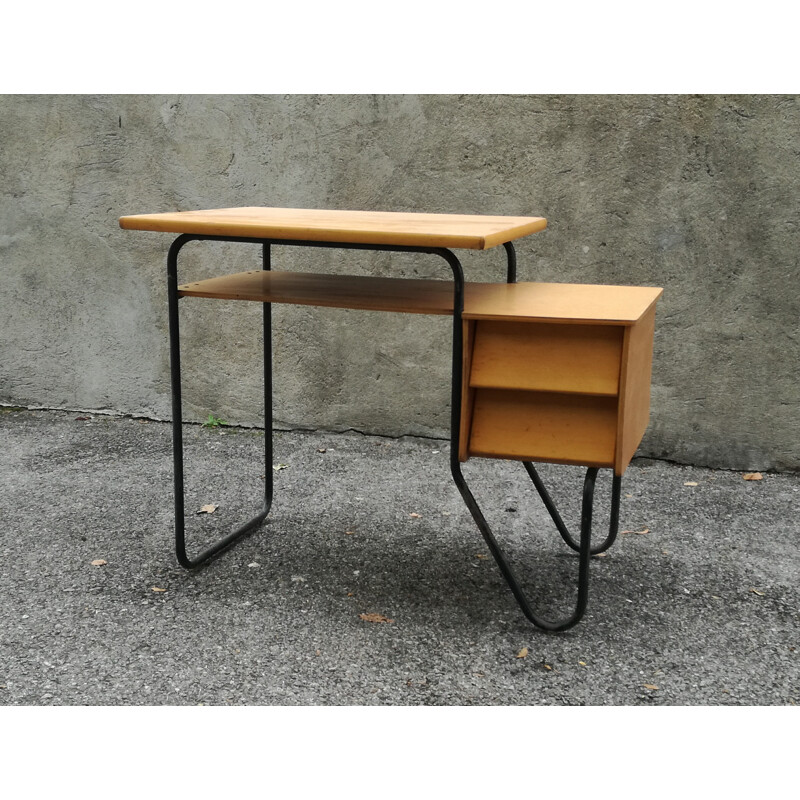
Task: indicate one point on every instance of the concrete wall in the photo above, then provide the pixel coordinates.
(698, 194)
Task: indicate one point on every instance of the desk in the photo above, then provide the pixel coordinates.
(540, 372)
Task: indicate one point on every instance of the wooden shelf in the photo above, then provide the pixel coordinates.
(558, 303)
(412, 296)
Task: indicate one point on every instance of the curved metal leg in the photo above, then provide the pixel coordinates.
(177, 418)
(466, 494)
(584, 547)
(584, 551)
(511, 258)
(559, 523)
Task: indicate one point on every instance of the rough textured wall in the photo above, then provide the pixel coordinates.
(698, 194)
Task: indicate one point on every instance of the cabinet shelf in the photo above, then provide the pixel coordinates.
(579, 359)
(544, 426)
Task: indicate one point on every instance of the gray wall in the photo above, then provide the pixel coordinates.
(698, 194)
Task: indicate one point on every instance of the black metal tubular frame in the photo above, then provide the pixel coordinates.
(177, 418)
(559, 523)
(511, 258)
(583, 547)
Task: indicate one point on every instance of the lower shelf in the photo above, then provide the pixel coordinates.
(544, 426)
(409, 295)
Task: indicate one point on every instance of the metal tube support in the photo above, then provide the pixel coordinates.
(584, 548)
(511, 258)
(508, 572)
(613, 525)
(177, 431)
(511, 277)
(269, 473)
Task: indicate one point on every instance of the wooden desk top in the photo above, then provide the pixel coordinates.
(468, 231)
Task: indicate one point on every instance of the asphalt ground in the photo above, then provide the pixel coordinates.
(696, 604)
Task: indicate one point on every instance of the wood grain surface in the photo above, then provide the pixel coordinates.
(554, 302)
(470, 231)
(582, 359)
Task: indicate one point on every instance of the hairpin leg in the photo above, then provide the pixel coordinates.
(562, 528)
(584, 551)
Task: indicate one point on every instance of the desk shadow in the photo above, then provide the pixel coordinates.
(435, 574)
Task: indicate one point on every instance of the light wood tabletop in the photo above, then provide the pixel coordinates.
(473, 232)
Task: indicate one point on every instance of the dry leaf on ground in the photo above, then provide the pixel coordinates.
(651, 686)
(208, 508)
(481, 555)
(414, 514)
(755, 591)
(753, 476)
(375, 618)
(638, 533)
(522, 653)
(99, 562)
(157, 589)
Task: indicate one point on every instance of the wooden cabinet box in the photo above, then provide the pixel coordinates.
(558, 373)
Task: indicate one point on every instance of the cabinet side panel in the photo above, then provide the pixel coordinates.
(634, 401)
